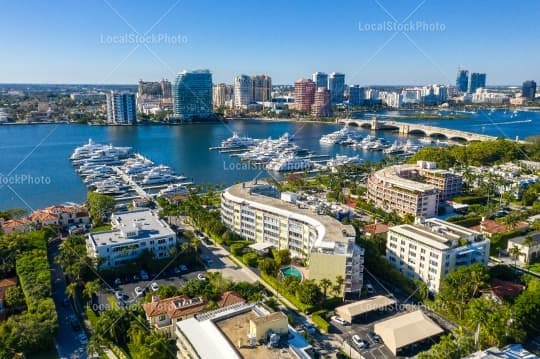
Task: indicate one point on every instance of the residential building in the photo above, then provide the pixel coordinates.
(166, 89)
(413, 189)
(304, 95)
(257, 212)
(429, 249)
(16, 225)
(357, 95)
(320, 79)
(88, 96)
(528, 89)
(121, 108)
(243, 91)
(462, 81)
(5, 284)
(321, 105)
(243, 331)
(193, 95)
(511, 351)
(336, 85)
(152, 89)
(62, 216)
(262, 88)
(489, 227)
(478, 80)
(222, 95)
(482, 95)
(131, 233)
(528, 245)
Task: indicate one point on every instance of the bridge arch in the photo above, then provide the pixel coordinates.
(417, 132)
(438, 135)
(458, 139)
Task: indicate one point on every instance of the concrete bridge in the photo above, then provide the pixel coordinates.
(416, 129)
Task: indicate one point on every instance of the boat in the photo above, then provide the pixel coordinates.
(289, 163)
(174, 189)
(238, 142)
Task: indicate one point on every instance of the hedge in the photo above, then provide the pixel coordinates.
(467, 221)
(470, 199)
(319, 321)
(274, 283)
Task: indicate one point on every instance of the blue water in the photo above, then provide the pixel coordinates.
(35, 170)
(291, 272)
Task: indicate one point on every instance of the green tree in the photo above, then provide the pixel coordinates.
(15, 297)
(268, 266)
(91, 288)
(337, 288)
(308, 292)
(71, 290)
(325, 284)
(99, 206)
(282, 257)
(514, 253)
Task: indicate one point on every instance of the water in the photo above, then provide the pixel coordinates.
(35, 170)
(291, 272)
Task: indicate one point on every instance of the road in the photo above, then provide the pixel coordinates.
(66, 341)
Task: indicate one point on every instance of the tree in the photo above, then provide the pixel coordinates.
(528, 242)
(338, 286)
(282, 257)
(268, 266)
(308, 292)
(325, 284)
(514, 253)
(91, 288)
(71, 290)
(15, 297)
(408, 218)
(100, 206)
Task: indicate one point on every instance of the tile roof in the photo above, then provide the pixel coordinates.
(230, 298)
(175, 307)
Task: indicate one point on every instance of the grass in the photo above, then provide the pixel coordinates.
(535, 267)
(103, 227)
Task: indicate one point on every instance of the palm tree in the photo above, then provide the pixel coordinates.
(514, 253)
(71, 290)
(528, 242)
(337, 288)
(325, 284)
(91, 288)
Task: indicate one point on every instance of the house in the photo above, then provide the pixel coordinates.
(17, 225)
(5, 284)
(230, 298)
(375, 229)
(502, 289)
(61, 216)
(489, 227)
(528, 252)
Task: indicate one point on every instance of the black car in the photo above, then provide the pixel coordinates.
(375, 337)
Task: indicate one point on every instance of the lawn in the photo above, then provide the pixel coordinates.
(104, 227)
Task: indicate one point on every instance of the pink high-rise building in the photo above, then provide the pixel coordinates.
(304, 95)
(321, 106)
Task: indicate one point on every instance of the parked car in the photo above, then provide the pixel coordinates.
(376, 338)
(201, 276)
(144, 275)
(176, 270)
(119, 295)
(339, 320)
(154, 286)
(361, 344)
(117, 281)
(139, 291)
(369, 288)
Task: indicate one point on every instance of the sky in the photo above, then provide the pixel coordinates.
(374, 42)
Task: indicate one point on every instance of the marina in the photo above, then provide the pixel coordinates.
(125, 175)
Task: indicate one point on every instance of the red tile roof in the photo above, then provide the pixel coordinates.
(230, 298)
(493, 227)
(5, 284)
(506, 289)
(175, 307)
(376, 228)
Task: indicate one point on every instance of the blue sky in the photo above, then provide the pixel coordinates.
(72, 41)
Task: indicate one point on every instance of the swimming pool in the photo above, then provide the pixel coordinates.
(291, 272)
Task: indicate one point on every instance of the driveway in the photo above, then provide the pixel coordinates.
(67, 343)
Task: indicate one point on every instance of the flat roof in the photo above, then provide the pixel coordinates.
(391, 175)
(140, 224)
(435, 232)
(406, 329)
(348, 311)
(260, 246)
(521, 239)
(333, 235)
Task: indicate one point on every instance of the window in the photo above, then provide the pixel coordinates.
(161, 318)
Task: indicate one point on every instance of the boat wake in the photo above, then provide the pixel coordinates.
(503, 123)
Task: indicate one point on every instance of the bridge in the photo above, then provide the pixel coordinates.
(405, 129)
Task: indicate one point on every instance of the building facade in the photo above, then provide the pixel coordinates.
(478, 80)
(166, 88)
(304, 95)
(121, 108)
(320, 79)
(429, 249)
(336, 85)
(222, 95)
(528, 89)
(462, 81)
(131, 233)
(357, 95)
(193, 95)
(262, 88)
(412, 189)
(256, 212)
(243, 91)
(321, 106)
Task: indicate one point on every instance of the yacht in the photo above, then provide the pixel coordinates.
(289, 163)
(136, 168)
(237, 141)
(174, 189)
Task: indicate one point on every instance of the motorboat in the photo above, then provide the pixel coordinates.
(289, 163)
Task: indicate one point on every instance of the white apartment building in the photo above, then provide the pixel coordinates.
(412, 188)
(132, 233)
(256, 212)
(429, 249)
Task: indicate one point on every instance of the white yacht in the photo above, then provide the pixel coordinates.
(289, 163)
(238, 141)
(174, 189)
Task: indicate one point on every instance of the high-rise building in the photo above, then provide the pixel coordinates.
(222, 95)
(462, 80)
(528, 89)
(166, 88)
(151, 88)
(193, 94)
(357, 95)
(243, 91)
(262, 88)
(336, 85)
(320, 79)
(304, 95)
(478, 80)
(321, 106)
(121, 108)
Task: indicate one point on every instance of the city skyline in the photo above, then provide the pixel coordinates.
(102, 43)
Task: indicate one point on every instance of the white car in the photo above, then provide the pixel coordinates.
(339, 320)
(119, 295)
(139, 291)
(201, 276)
(154, 286)
(359, 342)
(82, 339)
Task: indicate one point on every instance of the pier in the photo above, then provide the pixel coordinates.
(406, 128)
